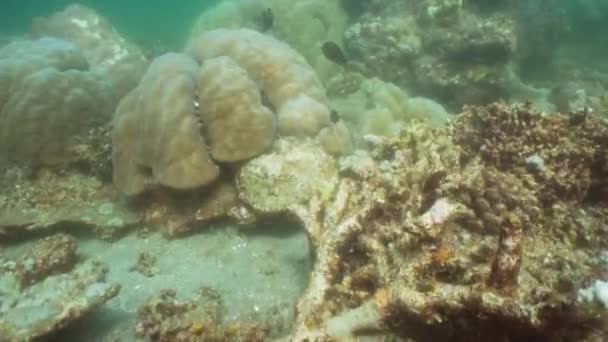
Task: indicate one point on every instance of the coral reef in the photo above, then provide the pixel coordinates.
(51, 304)
(45, 76)
(217, 103)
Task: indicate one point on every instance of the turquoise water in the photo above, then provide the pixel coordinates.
(150, 23)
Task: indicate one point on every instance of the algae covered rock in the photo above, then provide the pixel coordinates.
(68, 201)
(447, 233)
(287, 178)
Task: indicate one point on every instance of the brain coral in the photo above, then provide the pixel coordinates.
(281, 73)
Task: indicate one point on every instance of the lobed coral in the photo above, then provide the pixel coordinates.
(155, 127)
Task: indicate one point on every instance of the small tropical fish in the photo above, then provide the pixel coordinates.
(335, 116)
(264, 20)
(334, 53)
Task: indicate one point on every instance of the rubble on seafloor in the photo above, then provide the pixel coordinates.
(45, 290)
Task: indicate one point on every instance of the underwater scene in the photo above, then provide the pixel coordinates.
(304, 170)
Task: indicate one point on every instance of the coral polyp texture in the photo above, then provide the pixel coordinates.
(210, 105)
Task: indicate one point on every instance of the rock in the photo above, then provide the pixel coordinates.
(48, 306)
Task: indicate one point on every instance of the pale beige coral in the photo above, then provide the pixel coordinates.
(280, 72)
(46, 111)
(47, 99)
(382, 108)
(237, 125)
(104, 48)
(287, 178)
(156, 128)
(318, 21)
(302, 117)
